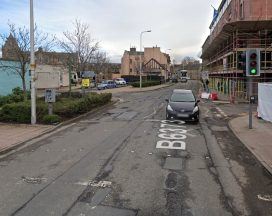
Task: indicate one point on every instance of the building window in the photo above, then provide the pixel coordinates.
(130, 61)
(241, 9)
(266, 60)
(130, 70)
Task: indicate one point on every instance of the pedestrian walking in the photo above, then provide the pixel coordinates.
(207, 85)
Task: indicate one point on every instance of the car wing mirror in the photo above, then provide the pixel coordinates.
(197, 101)
(167, 100)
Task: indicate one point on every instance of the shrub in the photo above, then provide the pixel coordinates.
(67, 107)
(21, 112)
(16, 112)
(17, 95)
(51, 119)
(146, 84)
(64, 108)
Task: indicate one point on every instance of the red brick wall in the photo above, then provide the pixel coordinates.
(259, 9)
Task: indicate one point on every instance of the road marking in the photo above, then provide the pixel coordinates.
(173, 135)
(267, 198)
(155, 111)
(222, 112)
(175, 144)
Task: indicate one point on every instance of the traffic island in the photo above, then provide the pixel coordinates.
(65, 107)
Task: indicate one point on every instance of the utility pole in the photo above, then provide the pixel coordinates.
(32, 66)
(141, 35)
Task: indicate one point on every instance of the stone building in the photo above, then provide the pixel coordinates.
(10, 48)
(154, 62)
(10, 51)
(238, 25)
(52, 58)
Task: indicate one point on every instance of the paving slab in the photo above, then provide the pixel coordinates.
(13, 134)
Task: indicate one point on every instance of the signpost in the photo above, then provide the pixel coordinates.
(50, 97)
(253, 69)
(85, 84)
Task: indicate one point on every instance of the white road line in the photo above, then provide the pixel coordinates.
(155, 111)
(221, 112)
(218, 115)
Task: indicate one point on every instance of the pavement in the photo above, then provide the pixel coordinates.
(13, 135)
(257, 140)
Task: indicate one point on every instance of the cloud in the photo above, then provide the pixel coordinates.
(179, 25)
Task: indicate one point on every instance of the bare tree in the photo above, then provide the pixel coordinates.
(187, 59)
(100, 61)
(19, 49)
(79, 42)
(190, 63)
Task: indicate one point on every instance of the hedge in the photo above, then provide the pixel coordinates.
(51, 119)
(16, 96)
(146, 84)
(64, 108)
(21, 112)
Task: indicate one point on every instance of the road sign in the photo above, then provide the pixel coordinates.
(86, 83)
(50, 96)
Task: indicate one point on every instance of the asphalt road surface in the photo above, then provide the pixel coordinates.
(127, 160)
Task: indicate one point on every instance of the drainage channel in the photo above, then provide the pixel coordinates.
(176, 185)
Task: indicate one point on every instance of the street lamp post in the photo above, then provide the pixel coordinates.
(141, 35)
(32, 66)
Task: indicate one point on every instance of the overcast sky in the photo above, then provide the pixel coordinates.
(179, 25)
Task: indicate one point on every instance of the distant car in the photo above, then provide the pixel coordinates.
(106, 84)
(182, 105)
(120, 81)
(174, 80)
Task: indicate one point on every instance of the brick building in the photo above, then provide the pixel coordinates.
(154, 62)
(237, 26)
(10, 51)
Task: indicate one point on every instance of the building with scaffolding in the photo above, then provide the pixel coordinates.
(238, 25)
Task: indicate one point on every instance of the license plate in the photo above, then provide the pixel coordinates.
(182, 115)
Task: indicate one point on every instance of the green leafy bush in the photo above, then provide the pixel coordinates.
(21, 112)
(51, 119)
(146, 84)
(64, 108)
(69, 107)
(16, 96)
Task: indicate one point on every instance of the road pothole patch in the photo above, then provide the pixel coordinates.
(173, 163)
(33, 180)
(219, 128)
(171, 180)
